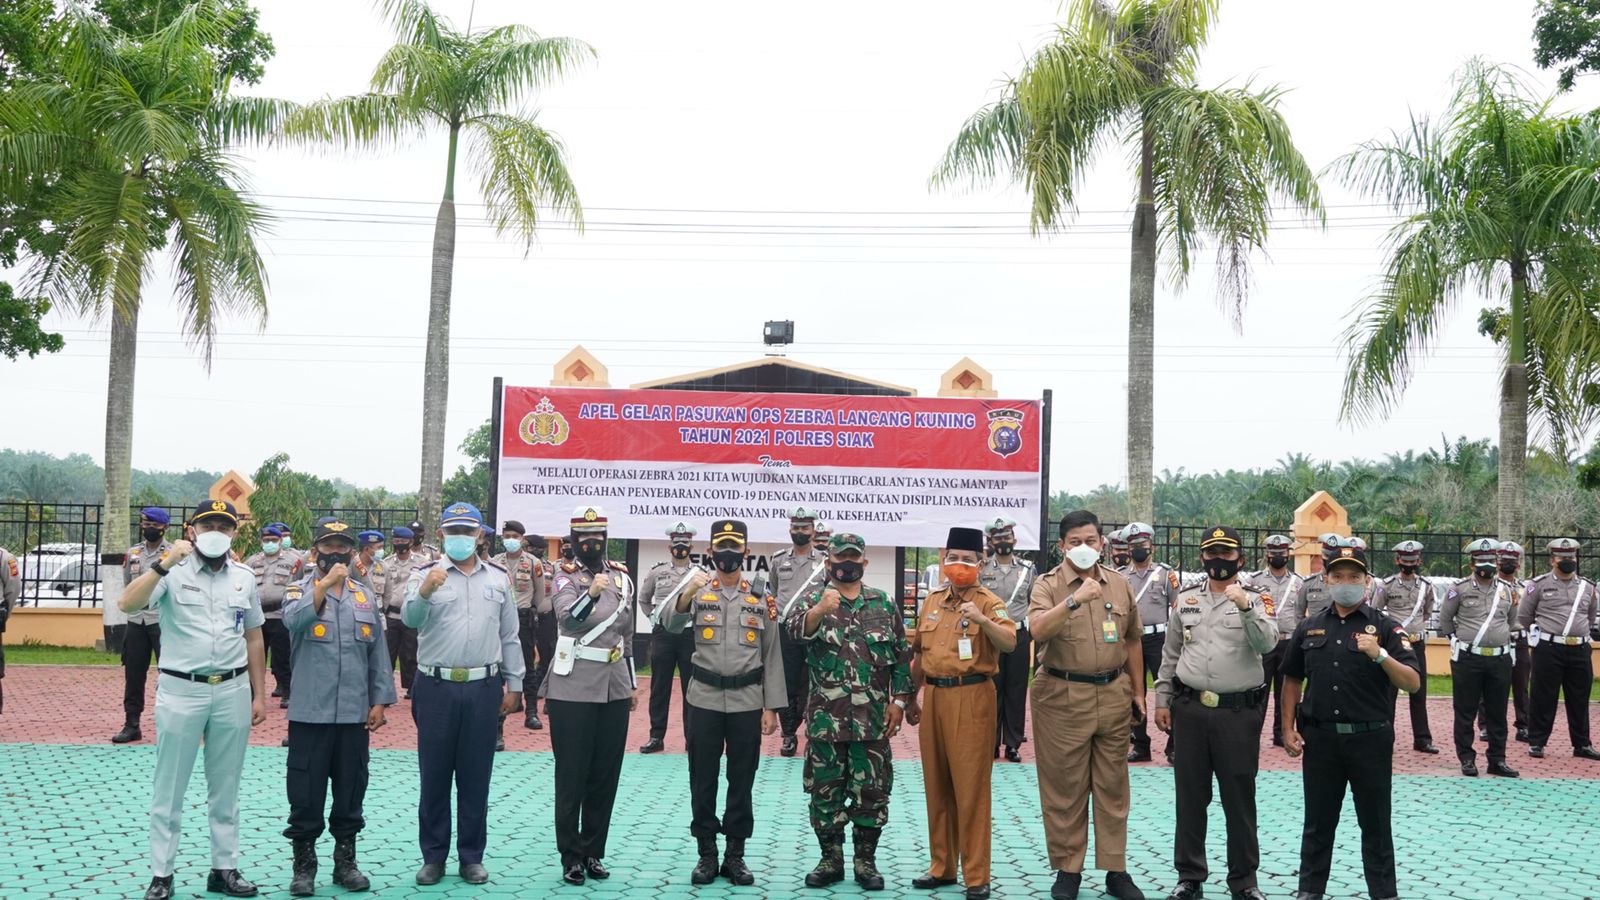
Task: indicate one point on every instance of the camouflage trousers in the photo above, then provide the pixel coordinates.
(849, 782)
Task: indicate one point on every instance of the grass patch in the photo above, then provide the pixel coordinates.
(1439, 686)
(35, 653)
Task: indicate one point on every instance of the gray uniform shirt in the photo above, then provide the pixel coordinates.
(140, 556)
(470, 621)
(1467, 607)
(341, 661)
(1013, 584)
(396, 577)
(1282, 591)
(1548, 604)
(1212, 645)
(10, 590)
(577, 614)
(660, 586)
(527, 577)
(1155, 589)
(795, 575)
(274, 574)
(204, 616)
(735, 633)
(1313, 598)
(1408, 601)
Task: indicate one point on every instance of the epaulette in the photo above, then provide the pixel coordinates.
(426, 566)
(1543, 577)
(785, 551)
(569, 566)
(1254, 589)
(658, 565)
(620, 567)
(294, 592)
(494, 565)
(136, 549)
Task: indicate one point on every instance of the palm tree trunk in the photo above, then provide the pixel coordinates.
(1514, 414)
(114, 525)
(1142, 341)
(436, 369)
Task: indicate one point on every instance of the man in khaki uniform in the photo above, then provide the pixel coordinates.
(143, 634)
(962, 631)
(527, 586)
(1087, 633)
(1155, 590)
(1011, 579)
(276, 567)
(1408, 597)
(401, 638)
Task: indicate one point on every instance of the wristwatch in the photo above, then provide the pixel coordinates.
(900, 703)
(159, 569)
(1072, 601)
(1382, 655)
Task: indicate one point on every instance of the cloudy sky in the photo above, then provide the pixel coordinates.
(780, 155)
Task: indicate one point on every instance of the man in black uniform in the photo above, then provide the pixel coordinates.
(1353, 658)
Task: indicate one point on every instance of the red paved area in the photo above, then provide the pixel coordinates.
(83, 705)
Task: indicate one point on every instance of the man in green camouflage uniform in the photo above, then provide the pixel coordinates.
(858, 664)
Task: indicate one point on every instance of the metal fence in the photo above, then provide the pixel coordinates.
(57, 545)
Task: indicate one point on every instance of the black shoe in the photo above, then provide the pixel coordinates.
(277, 691)
(128, 734)
(345, 872)
(499, 744)
(1137, 755)
(1013, 755)
(1121, 886)
(1066, 886)
(929, 882)
(1249, 894)
(1169, 753)
(705, 869)
(1586, 753)
(653, 745)
(230, 882)
(1501, 769)
(1469, 769)
(303, 881)
(430, 873)
(408, 693)
(733, 867)
(791, 745)
(284, 702)
(473, 873)
(978, 892)
(160, 888)
(532, 722)
(1483, 736)
(1307, 895)
(830, 869)
(573, 874)
(594, 869)
(1522, 733)
(284, 743)
(864, 849)
(1538, 752)
(1425, 747)
(1187, 890)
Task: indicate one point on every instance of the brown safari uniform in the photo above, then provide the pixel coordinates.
(1082, 706)
(956, 731)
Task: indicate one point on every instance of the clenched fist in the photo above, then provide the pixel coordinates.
(339, 573)
(600, 583)
(177, 553)
(696, 581)
(431, 582)
(1368, 644)
(1237, 595)
(829, 604)
(1088, 591)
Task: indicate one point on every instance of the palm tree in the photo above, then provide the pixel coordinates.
(1495, 198)
(1212, 163)
(462, 81)
(134, 137)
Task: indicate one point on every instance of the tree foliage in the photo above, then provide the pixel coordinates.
(1566, 34)
(471, 482)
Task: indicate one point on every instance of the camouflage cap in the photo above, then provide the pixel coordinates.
(844, 540)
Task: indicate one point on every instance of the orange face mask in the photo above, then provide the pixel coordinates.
(960, 574)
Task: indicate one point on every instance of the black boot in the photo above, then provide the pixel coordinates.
(733, 867)
(304, 882)
(128, 734)
(705, 871)
(866, 858)
(831, 869)
(345, 873)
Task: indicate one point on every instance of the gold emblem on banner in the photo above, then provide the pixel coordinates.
(544, 425)
(1005, 431)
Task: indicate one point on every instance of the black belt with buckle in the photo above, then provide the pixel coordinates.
(1101, 678)
(1213, 700)
(958, 681)
(728, 682)
(1347, 727)
(209, 678)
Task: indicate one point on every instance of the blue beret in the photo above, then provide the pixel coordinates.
(156, 514)
(403, 533)
(371, 537)
(279, 527)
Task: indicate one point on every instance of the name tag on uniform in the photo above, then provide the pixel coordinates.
(964, 648)
(238, 620)
(1108, 630)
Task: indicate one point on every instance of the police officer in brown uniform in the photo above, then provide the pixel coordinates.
(1408, 597)
(1210, 693)
(1478, 616)
(963, 631)
(276, 568)
(1011, 579)
(1281, 584)
(670, 650)
(143, 634)
(400, 637)
(1558, 613)
(796, 572)
(1155, 589)
(1313, 597)
(1086, 629)
(1522, 667)
(527, 586)
(1117, 544)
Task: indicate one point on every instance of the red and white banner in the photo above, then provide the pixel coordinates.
(900, 471)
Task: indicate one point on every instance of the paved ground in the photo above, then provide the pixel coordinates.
(74, 809)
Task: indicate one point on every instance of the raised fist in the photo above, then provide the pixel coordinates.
(829, 603)
(431, 582)
(177, 553)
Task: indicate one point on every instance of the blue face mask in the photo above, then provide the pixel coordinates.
(269, 547)
(512, 545)
(460, 546)
(288, 542)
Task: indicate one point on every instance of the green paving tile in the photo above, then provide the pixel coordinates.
(76, 817)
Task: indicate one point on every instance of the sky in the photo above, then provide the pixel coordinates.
(740, 124)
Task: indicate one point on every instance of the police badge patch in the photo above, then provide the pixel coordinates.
(544, 425)
(1005, 431)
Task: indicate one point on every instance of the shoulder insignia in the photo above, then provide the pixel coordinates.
(293, 592)
(426, 566)
(1397, 630)
(569, 566)
(772, 608)
(11, 566)
(661, 564)
(1268, 604)
(1172, 579)
(620, 567)
(496, 566)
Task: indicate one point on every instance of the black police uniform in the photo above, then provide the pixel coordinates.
(1346, 720)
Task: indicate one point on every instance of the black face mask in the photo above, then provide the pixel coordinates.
(1277, 562)
(566, 552)
(728, 561)
(1222, 569)
(800, 538)
(1484, 571)
(1139, 554)
(152, 534)
(591, 552)
(1004, 548)
(1566, 566)
(326, 561)
(1508, 568)
(847, 571)
(680, 551)
(1120, 559)
(1409, 570)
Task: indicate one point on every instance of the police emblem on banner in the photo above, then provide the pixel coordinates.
(1005, 431)
(544, 425)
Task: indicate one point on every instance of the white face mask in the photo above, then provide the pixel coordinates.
(1083, 557)
(212, 544)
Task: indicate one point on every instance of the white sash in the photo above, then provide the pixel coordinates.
(803, 585)
(1422, 597)
(670, 601)
(1573, 612)
(1499, 593)
(1155, 570)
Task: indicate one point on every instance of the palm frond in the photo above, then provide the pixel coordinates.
(505, 63)
(380, 120)
(414, 22)
(522, 173)
(423, 78)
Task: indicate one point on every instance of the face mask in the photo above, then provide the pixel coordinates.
(153, 534)
(1139, 554)
(1566, 566)
(1222, 569)
(1277, 562)
(728, 561)
(960, 574)
(680, 551)
(1484, 571)
(269, 547)
(1083, 557)
(800, 538)
(1119, 559)
(566, 552)
(1409, 570)
(847, 571)
(1508, 568)
(326, 561)
(402, 549)
(460, 547)
(1347, 595)
(381, 554)
(212, 544)
(512, 545)
(591, 552)
(1004, 548)
(288, 542)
